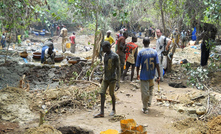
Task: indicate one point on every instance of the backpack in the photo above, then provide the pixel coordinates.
(165, 52)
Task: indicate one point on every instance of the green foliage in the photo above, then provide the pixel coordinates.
(75, 74)
(212, 12)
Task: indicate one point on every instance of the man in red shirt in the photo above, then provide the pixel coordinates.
(131, 56)
(57, 30)
(72, 38)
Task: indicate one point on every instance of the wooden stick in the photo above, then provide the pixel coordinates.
(97, 84)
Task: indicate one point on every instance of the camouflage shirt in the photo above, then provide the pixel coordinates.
(111, 66)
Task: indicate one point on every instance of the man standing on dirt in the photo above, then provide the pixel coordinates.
(72, 38)
(3, 40)
(148, 59)
(57, 30)
(118, 36)
(64, 34)
(160, 48)
(109, 38)
(121, 50)
(175, 40)
(131, 56)
(111, 77)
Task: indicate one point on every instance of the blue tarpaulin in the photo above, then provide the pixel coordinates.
(194, 34)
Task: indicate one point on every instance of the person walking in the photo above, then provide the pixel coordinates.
(160, 47)
(121, 50)
(109, 38)
(64, 34)
(117, 37)
(73, 45)
(148, 60)
(111, 77)
(131, 56)
(3, 40)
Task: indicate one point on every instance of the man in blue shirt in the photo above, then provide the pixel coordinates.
(148, 59)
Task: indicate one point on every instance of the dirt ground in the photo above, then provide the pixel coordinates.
(74, 104)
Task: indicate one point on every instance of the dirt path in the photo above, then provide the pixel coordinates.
(159, 119)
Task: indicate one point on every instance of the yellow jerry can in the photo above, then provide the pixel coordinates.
(109, 131)
(68, 45)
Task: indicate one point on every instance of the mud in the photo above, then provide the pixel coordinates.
(39, 77)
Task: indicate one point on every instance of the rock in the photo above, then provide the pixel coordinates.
(201, 111)
(181, 110)
(121, 91)
(177, 84)
(133, 89)
(127, 94)
(163, 97)
(191, 111)
(199, 96)
(135, 85)
(198, 104)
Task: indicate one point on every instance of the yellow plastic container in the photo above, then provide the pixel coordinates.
(110, 131)
(68, 45)
(127, 124)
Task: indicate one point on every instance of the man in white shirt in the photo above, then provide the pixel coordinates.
(160, 48)
(64, 34)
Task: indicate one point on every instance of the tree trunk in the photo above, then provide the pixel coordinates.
(95, 45)
(162, 15)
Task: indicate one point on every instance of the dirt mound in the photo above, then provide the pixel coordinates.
(191, 126)
(43, 129)
(215, 125)
(39, 77)
(14, 105)
(6, 127)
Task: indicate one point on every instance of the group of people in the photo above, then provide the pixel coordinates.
(48, 53)
(147, 60)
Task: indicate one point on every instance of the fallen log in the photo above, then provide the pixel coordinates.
(161, 100)
(63, 103)
(82, 81)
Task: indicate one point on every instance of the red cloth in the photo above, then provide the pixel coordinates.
(72, 37)
(58, 28)
(129, 48)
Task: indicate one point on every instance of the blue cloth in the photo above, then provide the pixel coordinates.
(43, 53)
(3, 43)
(148, 59)
(25, 60)
(194, 34)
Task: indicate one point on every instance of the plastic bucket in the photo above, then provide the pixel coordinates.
(127, 124)
(68, 45)
(109, 131)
